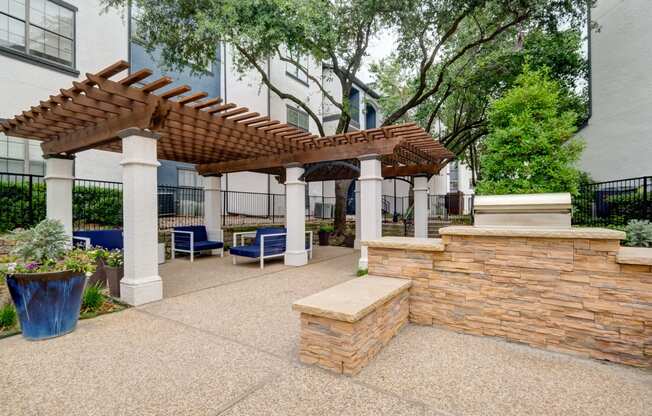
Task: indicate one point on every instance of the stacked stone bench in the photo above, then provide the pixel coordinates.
(344, 327)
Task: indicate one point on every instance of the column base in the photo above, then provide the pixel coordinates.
(296, 258)
(141, 291)
(363, 263)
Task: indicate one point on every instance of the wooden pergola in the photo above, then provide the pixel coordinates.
(218, 137)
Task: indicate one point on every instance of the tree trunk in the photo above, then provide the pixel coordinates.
(341, 193)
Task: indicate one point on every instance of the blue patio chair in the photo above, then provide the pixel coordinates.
(193, 239)
(108, 239)
(268, 243)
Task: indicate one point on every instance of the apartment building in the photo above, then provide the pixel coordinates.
(45, 44)
(618, 134)
(48, 43)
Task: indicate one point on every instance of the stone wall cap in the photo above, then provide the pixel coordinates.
(411, 243)
(634, 255)
(352, 300)
(583, 233)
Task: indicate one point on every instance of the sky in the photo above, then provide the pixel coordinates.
(379, 47)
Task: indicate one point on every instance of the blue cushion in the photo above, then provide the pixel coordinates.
(208, 245)
(269, 230)
(108, 239)
(198, 231)
(246, 251)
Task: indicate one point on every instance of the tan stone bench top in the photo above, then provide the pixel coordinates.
(421, 244)
(635, 255)
(588, 233)
(352, 300)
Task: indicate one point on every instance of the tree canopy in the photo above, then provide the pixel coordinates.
(531, 146)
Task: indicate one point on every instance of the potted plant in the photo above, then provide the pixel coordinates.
(114, 270)
(325, 234)
(98, 278)
(47, 280)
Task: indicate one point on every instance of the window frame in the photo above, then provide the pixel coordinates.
(355, 121)
(195, 175)
(25, 56)
(299, 111)
(295, 76)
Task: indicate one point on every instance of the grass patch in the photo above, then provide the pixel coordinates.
(7, 317)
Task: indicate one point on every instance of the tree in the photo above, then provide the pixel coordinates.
(458, 116)
(531, 146)
(338, 33)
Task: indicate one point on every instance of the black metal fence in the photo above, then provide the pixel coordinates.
(96, 204)
(613, 202)
(440, 207)
(22, 200)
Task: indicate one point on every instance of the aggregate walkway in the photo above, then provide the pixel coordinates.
(227, 346)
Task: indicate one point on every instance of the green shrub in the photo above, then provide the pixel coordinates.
(93, 298)
(639, 233)
(47, 241)
(7, 316)
(362, 272)
(326, 229)
(531, 147)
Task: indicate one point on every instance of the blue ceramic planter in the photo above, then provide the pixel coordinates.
(48, 304)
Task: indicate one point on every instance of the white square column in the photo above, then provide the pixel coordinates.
(358, 210)
(420, 206)
(213, 207)
(371, 191)
(295, 216)
(59, 181)
(141, 282)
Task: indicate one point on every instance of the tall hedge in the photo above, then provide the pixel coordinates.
(92, 206)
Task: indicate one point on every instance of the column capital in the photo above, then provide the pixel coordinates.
(372, 156)
(59, 156)
(293, 165)
(135, 131)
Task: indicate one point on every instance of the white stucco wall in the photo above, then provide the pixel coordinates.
(101, 40)
(619, 133)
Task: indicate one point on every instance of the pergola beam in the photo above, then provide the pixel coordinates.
(379, 147)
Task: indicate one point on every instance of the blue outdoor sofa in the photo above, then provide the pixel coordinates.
(268, 242)
(108, 239)
(193, 239)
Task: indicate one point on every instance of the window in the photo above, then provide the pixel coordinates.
(454, 176)
(354, 106)
(370, 117)
(43, 29)
(297, 118)
(189, 177)
(294, 71)
(14, 152)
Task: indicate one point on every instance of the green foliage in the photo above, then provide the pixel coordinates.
(97, 206)
(15, 202)
(91, 205)
(44, 243)
(114, 258)
(530, 147)
(639, 233)
(362, 272)
(326, 228)
(93, 298)
(7, 316)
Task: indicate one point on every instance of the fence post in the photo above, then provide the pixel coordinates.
(30, 213)
(647, 207)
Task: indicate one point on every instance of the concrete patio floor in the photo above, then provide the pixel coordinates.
(224, 342)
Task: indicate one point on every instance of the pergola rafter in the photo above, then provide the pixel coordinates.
(219, 137)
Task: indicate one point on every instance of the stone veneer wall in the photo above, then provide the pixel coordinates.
(346, 347)
(567, 295)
